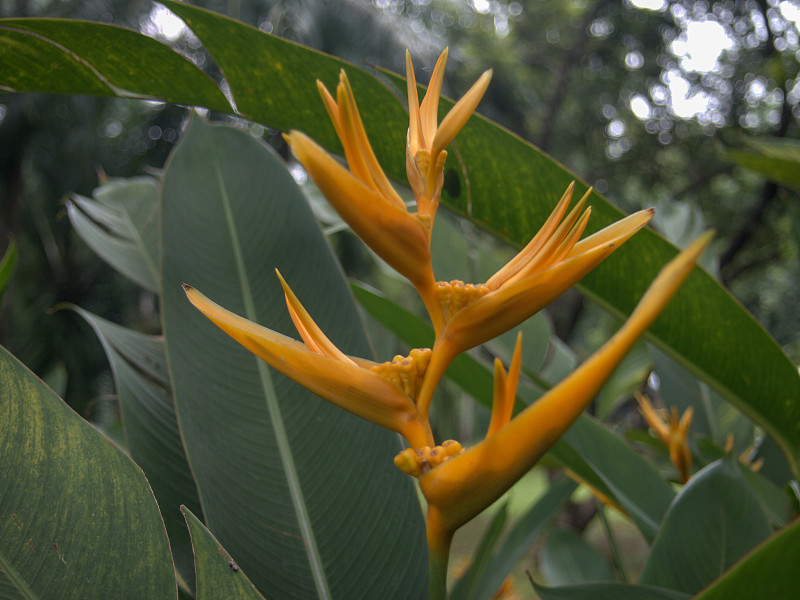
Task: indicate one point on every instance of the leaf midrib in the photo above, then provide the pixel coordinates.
(276, 417)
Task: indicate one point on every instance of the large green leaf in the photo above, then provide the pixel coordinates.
(29, 63)
(151, 429)
(218, 574)
(77, 518)
(715, 521)
(301, 492)
(271, 81)
(769, 571)
(106, 59)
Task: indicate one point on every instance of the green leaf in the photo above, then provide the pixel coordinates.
(121, 226)
(151, 429)
(769, 571)
(301, 492)
(608, 591)
(777, 159)
(566, 558)
(607, 464)
(29, 63)
(74, 509)
(7, 266)
(218, 575)
(714, 521)
(517, 543)
(79, 57)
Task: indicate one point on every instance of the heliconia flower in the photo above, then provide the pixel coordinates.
(554, 260)
(465, 484)
(427, 139)
(673, 433)
(379, 392)
(363, 195)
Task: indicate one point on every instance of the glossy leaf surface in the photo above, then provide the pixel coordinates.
(81, 57)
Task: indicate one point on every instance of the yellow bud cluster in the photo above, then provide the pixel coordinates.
(456, 294)
(419, 462)
(406, 372)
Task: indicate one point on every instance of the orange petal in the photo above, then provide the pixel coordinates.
(617, 232)
(312, 335)
(505, 308)
(536, 243)
(358, 151)
(353, 388)
(395, 235)
(460, 114)
(414, 132)
(654, 421)
(429, 110)
(505, 389)
(466, 484)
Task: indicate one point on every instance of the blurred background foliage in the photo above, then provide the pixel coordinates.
(640, 98)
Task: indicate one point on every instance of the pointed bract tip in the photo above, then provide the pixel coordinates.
(284, 285)
(186, 287)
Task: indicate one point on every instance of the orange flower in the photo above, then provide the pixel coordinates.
(364, 197)
(673, 433)
(465, 484)
(379, 392)
(552, 262)
(427, 140)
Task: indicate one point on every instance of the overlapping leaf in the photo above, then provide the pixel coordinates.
(120, 224)
(299, 491)
(151, 429)
(80, 57)
(766, 572)
(272, 81)
(715, 521)
(218, 574)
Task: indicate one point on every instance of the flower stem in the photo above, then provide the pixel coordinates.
(439, 541)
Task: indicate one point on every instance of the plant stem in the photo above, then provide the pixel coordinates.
(439, 540)
(437, 575)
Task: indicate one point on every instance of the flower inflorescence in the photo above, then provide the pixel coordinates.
(457, 483)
